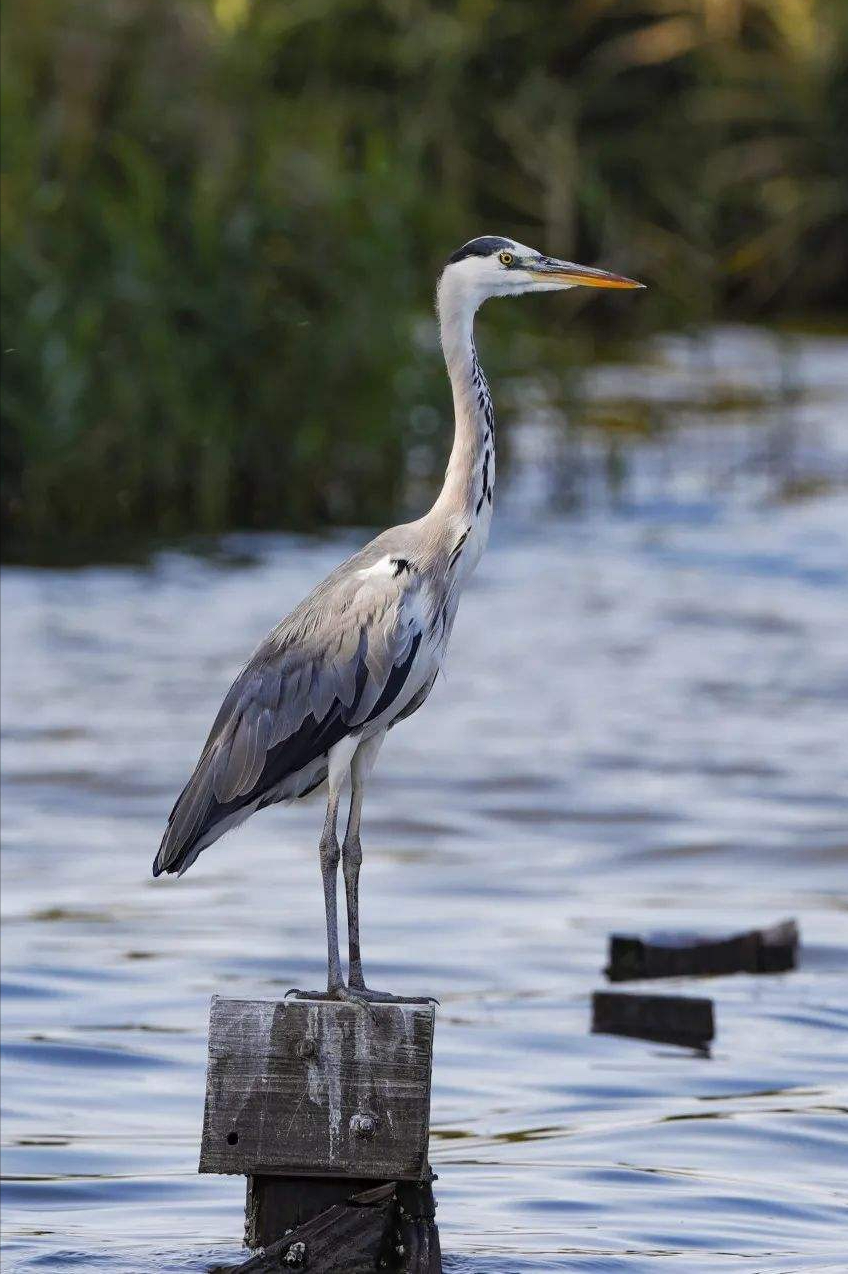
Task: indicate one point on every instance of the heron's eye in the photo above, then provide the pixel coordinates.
(506, 258)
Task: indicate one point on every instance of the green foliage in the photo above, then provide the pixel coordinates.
(221, 221)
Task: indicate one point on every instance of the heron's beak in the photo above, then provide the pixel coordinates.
(549, 270)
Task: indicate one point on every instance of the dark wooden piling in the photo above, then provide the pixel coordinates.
(325, 1108)
(666, 1019)
(278, 1204)
(771, 950)
(351, 1237)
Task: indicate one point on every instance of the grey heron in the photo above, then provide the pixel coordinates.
(363, 650)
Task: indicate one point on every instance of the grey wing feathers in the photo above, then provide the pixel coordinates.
(340, 658)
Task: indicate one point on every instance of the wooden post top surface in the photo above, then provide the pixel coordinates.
(318, 1088)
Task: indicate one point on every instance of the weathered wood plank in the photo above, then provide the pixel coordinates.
(307, 1087)
(669, 1019)
(771, 950)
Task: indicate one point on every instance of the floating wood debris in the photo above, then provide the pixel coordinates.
(666, 1019)
(325, 1108)
(771, 950)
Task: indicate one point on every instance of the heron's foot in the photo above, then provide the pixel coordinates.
(386, 997)
(359, 995)
(339, 994)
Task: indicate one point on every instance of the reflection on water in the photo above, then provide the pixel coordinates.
(642, 726)
(731, 413)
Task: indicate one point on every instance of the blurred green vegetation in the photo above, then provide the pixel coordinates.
(222, 220)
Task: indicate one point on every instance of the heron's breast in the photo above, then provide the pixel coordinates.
(422, 672)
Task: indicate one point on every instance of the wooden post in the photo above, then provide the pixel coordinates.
(317, 1103)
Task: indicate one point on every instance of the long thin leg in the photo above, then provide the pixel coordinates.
(329, 852)
(348, 756)
(360, 769)
(340, 757)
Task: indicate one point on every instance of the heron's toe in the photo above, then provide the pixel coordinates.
(385, 997)
(336, 993)
(359, 995)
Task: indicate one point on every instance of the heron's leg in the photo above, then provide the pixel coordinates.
(346, 757)
(360, 768)
(329, 852)
(338, 768)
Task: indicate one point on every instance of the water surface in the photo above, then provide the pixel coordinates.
(642, 726)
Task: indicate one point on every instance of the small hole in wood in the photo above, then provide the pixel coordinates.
(232, 1138)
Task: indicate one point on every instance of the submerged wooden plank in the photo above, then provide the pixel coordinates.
(277, 1205)
(315, 1087)
(771, 950)
(669, 1019)
(352, 1237)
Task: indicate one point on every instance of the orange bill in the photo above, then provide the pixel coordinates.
(549, 269)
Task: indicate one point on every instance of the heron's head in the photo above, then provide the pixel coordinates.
(492, 266)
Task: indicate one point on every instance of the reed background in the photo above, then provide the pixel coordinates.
(222, 220)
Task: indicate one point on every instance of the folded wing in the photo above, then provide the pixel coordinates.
(336, 663)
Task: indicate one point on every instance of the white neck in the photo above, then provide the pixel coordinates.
(469, 481)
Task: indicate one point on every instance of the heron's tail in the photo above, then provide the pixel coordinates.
(191, 825)
(179, 864)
